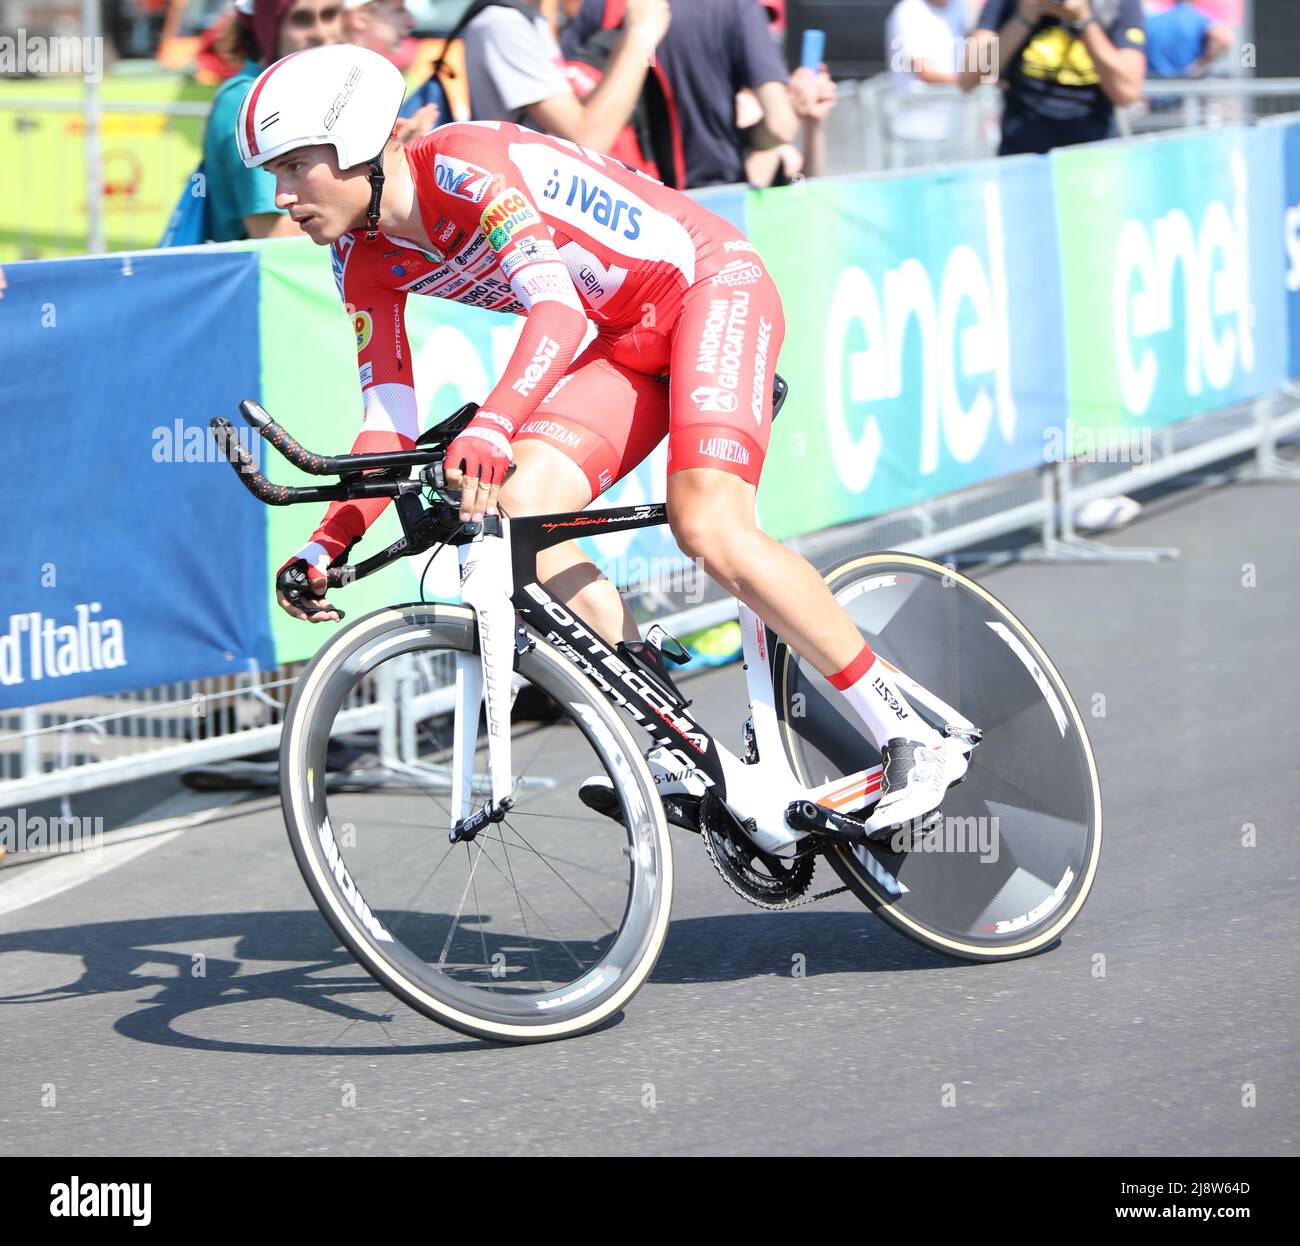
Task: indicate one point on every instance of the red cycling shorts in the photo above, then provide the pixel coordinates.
(705, 382)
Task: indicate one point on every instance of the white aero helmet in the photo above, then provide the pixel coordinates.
(339, 94)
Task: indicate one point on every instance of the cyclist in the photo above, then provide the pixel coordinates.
(688, 325)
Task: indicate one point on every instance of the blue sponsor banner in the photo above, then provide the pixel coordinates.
(129, 559)
(1291, 243)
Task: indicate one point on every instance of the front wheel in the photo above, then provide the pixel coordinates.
(1014, 857)
(542, 926)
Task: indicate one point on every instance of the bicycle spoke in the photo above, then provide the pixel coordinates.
(554, 871)
(482, 852)
(537, 973)
(407, 907)
(551, 929)
(451, 934)
(577, 865)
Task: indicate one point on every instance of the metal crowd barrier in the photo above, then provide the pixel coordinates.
(874, 126)
(1187, 103)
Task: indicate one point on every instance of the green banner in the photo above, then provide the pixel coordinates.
(922, 343)
(1170, 266)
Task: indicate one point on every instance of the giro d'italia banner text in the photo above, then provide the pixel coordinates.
(1170, 258)
(922, 344)
(128, 558)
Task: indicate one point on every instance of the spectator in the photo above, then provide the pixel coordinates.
(962, 15)
(1067, 64)
(241, 202)
(924, 52)
(383, 26)
(714, 49)
(515, 72)
(380, 25)
(1184, 42)
(224, 47)
(812, 96)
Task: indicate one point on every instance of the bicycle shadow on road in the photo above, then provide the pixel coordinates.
(805, 942)
(174, 957)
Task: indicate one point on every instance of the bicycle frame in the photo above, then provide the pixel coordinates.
(498, 578)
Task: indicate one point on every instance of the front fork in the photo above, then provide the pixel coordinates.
(486, 585)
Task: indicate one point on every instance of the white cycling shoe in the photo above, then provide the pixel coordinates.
(915, 781)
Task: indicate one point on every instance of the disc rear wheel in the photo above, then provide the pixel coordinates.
(1010, 863)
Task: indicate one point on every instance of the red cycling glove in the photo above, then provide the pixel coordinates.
(483, 448)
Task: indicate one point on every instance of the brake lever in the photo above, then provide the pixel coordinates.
(436, 477)
(296, 587)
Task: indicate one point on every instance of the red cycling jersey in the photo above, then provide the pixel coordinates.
(559, 234)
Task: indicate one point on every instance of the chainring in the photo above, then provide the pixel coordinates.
(764, 880)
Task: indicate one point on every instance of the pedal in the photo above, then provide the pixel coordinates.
(972, 735)
(902, 838)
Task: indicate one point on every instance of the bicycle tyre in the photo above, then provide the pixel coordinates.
(608, 985)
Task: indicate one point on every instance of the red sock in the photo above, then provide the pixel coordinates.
(854, 671)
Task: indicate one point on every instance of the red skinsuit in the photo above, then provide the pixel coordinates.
(554, 232)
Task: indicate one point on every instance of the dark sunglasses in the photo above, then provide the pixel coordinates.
(305, 19)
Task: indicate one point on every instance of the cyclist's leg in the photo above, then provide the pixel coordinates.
(547, 482)
(724, 361)
(598, 423)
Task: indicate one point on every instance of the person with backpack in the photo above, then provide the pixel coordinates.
(713, 50)
(383, 26)
(516, 72)
(239, 202)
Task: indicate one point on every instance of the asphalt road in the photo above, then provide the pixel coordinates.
(1187, 673)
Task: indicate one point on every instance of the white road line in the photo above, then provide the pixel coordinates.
(30, 884)
(71, 869)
